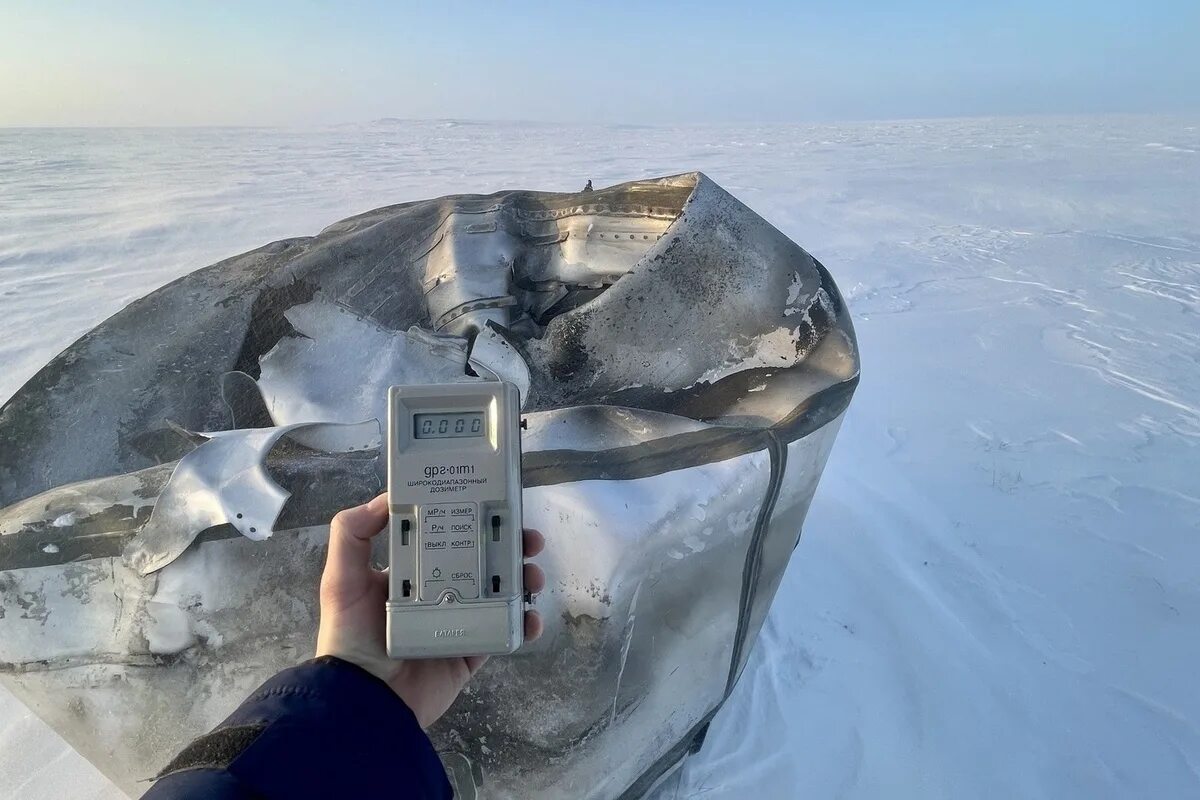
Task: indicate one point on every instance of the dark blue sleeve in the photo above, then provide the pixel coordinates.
(326, 728)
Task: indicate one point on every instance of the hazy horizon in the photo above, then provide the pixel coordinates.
(272, 64)
(1048, 117)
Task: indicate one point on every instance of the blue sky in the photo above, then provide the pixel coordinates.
(272, 62)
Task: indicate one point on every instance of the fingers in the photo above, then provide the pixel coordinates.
(349, 559)
(534, 578)
(474, 663)
(533, 626)
(532, 542)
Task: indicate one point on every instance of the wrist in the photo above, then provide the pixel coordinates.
(359, 659)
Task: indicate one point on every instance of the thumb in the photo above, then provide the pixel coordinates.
(348, 564)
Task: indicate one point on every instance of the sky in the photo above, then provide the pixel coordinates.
(277, 62)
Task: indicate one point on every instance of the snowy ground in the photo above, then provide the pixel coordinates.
(998, 588)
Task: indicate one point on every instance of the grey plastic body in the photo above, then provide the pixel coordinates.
(454, 487)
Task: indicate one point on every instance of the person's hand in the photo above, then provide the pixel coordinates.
(353, 620)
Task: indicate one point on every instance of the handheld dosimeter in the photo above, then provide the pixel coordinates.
(454, 488)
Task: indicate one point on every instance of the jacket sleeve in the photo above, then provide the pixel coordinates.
(324, 729)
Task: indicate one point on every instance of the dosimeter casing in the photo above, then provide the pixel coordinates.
(454, 489)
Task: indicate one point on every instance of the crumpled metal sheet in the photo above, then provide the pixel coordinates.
(225, 481)
(303, 378)
(684, 369)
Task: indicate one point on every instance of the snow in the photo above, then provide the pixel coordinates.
(998, 585)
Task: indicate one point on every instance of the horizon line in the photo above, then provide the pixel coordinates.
(559, 123)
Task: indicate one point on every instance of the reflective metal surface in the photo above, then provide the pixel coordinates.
(224, 481)
(684, 368)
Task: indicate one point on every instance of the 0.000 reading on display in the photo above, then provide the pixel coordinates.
(448, 426)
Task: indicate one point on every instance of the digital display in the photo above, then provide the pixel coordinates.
(448, 426)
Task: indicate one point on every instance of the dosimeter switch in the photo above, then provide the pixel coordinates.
(454, 489)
